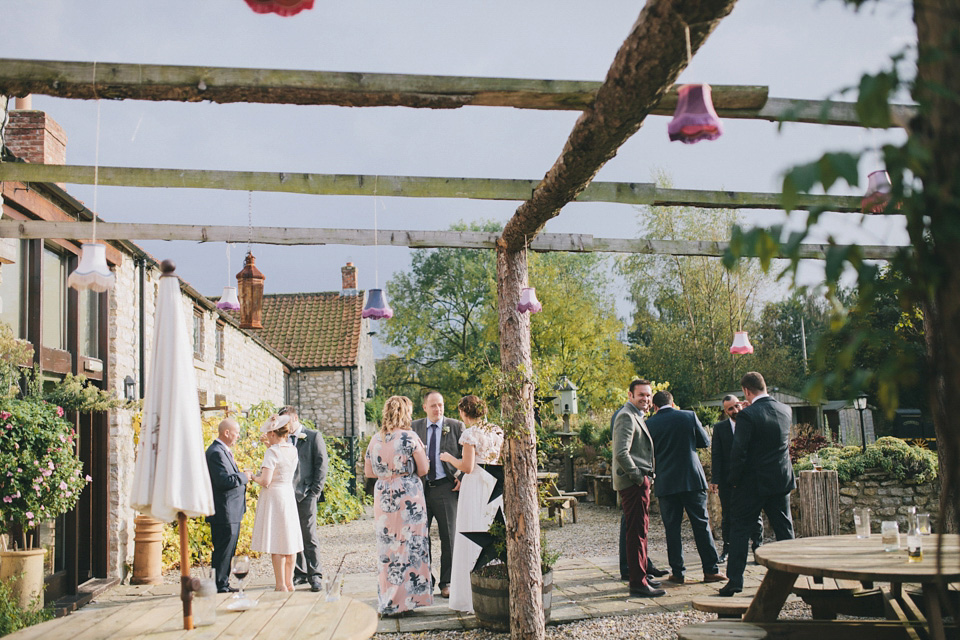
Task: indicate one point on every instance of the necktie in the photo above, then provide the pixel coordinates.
(432, 453)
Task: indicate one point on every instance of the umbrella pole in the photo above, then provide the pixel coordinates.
(186, 591)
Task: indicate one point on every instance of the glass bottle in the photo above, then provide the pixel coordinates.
(914, 541)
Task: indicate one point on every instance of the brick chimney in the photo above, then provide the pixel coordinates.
(349, 279)
(35, 137)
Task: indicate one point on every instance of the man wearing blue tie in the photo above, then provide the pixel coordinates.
(442, 482)
(229, 500)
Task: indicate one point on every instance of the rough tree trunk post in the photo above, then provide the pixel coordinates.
(520, 501)
(937, 129)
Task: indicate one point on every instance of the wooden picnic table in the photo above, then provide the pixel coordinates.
(296, 614)
(850, 558)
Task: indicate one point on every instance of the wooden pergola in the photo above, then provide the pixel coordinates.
(640, 82)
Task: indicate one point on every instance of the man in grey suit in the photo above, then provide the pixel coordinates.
(308, 484)
(229, 500)
(682, 485)
(760, 473)
(632, 471)
(441, 484)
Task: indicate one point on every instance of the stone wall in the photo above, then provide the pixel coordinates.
(888, 499)
(323, 397)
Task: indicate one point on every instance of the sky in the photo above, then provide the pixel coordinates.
(813, 49)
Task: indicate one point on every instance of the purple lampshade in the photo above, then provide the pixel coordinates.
(877, 197)
(376, 306)
(695, 118)
(741, 343)
(92, 272)
(528, 301)
(229, 300)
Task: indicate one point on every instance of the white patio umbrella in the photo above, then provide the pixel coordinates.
(170, 480)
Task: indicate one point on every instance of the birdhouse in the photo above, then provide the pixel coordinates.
(250, 284)
(566, 401)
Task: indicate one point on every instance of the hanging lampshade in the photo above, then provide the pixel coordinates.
(741, 343)
(377, 306)
(283, 8)
(250, 285)
(878, 192)
(229, 301)
(528, 301)
(695, 118)
(92, 272)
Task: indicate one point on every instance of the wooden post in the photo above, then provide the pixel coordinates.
(819, 503)
(186, 588)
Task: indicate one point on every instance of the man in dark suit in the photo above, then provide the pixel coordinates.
(681, 485)
(229, 500)
(632, 471)
(442, 483)
(760, 473)
(721, 448)
(308, 484)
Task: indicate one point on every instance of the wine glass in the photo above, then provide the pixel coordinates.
(240, 567)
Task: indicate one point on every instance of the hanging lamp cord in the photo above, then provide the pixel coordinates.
(96, 155)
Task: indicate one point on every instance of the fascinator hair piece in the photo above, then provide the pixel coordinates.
(274, 423)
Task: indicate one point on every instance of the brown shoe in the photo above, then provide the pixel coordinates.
(714, 577)
(676, 579)
(444, 592)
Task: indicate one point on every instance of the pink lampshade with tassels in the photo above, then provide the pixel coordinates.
(285, 8)
(695, 119)
(877, 197)
(741, 344)
(528, 301)
(377, 306)
(229, 301)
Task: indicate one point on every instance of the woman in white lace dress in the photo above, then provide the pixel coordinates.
(475, 511)
(276, 529)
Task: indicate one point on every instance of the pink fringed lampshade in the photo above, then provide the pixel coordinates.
(695, 118)
(377, 307)
(229, 300)
(741, 343)
(528, 301)
(878, 192)
(92, 272)
(284, 8)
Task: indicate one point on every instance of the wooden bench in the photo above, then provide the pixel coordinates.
(723, 607)
(726, 629)
(828, 597)
(557, 501)
(799, 630)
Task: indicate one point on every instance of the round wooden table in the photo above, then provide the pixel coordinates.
(851, 558)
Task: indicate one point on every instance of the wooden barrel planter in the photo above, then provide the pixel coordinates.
(491, 600)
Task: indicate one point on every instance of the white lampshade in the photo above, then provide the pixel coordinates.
(92, 272)
(229, 300)
(741, 343)
(528, 301)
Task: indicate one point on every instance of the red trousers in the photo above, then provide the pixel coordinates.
(635, 501)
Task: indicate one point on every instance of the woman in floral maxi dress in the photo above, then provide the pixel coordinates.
(396, 457)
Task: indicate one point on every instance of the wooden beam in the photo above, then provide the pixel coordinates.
(544, 242)
(122, 81)
(635, 193)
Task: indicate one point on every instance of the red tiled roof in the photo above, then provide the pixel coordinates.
(313, 329)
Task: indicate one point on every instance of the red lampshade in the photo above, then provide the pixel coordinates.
(695, 118)
(528, 301)
(284, 8)
(877, 197)
(741, 343)
(377, 306)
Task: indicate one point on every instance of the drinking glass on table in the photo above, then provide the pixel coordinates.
(240, 567)
(861, 521)
(890, 532)
(923, 521)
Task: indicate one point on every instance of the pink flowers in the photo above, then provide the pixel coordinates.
(8, 499)
(59, 412)
(63, 485)
(47, 473)
(88, 478)
(5, 415)
(29, 514)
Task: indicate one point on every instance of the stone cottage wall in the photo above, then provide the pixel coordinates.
(888, 499)
(322, 396)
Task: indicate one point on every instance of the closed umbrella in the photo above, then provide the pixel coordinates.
(170, 480)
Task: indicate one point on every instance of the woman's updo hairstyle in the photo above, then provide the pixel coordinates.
(473, 407)
(397, 412)
(282, 432)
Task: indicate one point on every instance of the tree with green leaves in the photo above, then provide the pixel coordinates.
(786, 334)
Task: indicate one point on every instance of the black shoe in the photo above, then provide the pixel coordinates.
(723, 557)
(647, 592)
(728, 590)
(300, 579)
(316, 583)
(657, 573)
(227, 589)
(652, 583)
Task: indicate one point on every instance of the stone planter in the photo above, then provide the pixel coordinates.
(147, 550)
(23, 572)
(491, 600)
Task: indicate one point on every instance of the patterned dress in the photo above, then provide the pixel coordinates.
(475, 510)
(400, 522)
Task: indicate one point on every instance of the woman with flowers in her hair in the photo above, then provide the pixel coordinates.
(276, 528)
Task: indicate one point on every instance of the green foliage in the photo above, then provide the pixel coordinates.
(708, 416)
(13, 354)
(41, 477)
(13, 617)
(339, 504)
(497, 552)
(588, 433)
(893, 455)
(78, 394)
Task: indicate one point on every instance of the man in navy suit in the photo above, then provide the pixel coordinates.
(681, 484)
(760, 473)
(229, 500)
(721, 448)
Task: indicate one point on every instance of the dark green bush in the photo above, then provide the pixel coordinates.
(13, 617)
(893, 455)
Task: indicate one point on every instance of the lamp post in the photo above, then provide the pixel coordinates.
(860, 403)
(565, 404)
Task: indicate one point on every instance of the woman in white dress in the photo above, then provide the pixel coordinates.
(276, 529)
(475, 512)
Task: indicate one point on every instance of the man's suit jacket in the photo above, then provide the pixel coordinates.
(311, 471)
(229, 485)
(632, 448)
(676, 436)
(760, 459)
(720, 453)
(449, 441)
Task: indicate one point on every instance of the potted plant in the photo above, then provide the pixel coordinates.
(490, 580)
(41, 478)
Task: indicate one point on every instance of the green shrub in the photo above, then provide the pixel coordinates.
(892, 455)
(14, 618)
(708, 415)
(588, 433)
